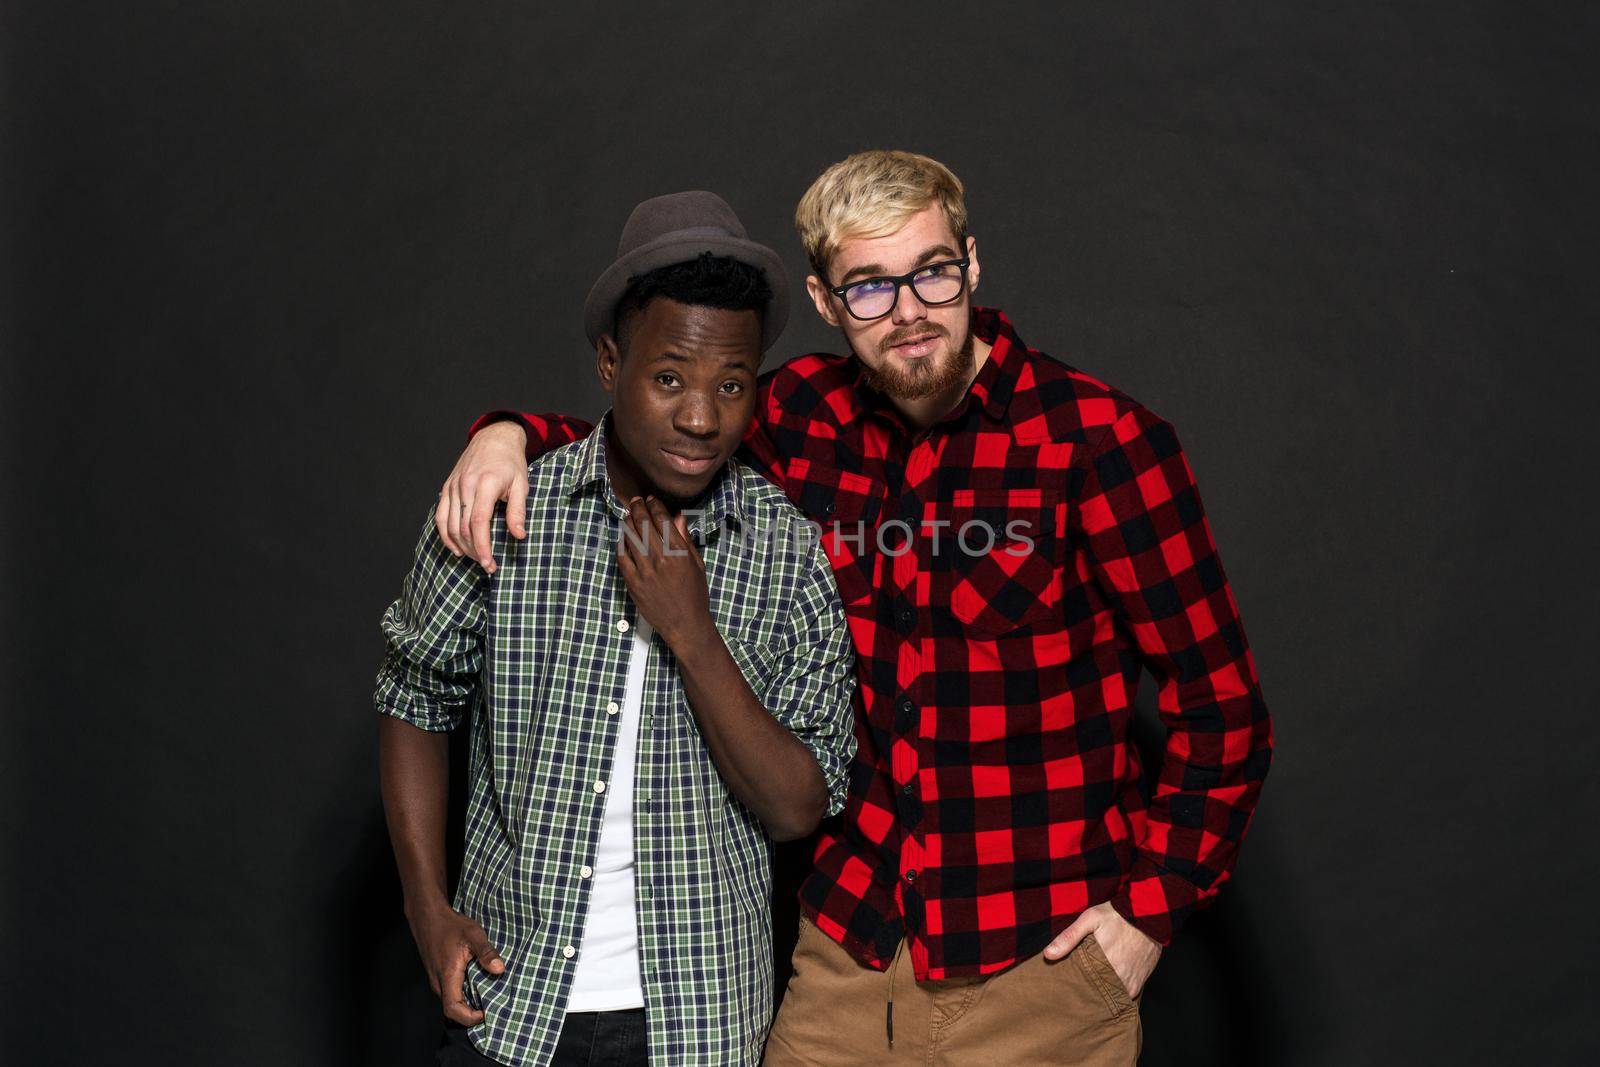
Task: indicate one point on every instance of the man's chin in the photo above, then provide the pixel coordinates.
(917, 378)
(677, 490)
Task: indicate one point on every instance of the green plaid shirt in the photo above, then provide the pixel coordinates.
(536, 656)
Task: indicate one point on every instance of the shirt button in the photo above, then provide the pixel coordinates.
(613, 707)
(908, 788)
(569, 952)
(599, 787)
(907, 616)
(911, 875)
(622, 626)
(585, 871)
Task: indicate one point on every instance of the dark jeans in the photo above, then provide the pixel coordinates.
(588, 1039)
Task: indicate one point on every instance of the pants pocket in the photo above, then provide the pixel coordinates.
(1100, 974)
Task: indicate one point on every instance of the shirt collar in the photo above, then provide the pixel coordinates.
(996, 380)
(722, 502)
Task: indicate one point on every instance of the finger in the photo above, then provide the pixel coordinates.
(1068, 939)
(446, 512)
(517, 506)
(454, 1003)
(639, 512)
(628, 535)
(457, 506)
(661, 525)
(639, 544)
(469, 498)
(441, 518)
(482, 512)
(483, 952)
(681, 524)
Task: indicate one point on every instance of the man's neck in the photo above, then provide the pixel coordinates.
(627, 481)
(626, 477)
(924, 412)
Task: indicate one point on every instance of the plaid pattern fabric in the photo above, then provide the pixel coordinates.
(995, 793)
(537, 656)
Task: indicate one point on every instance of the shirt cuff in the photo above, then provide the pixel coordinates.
(500, 416)
(1155, 901)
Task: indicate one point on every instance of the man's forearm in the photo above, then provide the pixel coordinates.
(539, 433)
(767, 767)
(414, 770)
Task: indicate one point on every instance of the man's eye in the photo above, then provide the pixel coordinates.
(937, 271)
(667, 379)
(733, 388)
(872, 285)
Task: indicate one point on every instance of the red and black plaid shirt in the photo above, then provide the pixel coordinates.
(995, 793)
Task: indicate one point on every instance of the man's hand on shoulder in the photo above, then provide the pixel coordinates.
(449, 943)
(1131, 952)
(493, 468)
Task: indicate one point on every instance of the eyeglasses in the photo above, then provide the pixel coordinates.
(934, 284)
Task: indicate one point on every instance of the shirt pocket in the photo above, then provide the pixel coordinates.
(846, 507)
(998, 559)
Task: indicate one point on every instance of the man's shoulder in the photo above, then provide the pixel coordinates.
(556, 462)
(548, 474)
(803, 385)
(763, 501)
(1056, 401)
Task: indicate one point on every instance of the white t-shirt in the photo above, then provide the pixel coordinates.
(607, 977)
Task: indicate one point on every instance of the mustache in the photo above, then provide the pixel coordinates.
(906, 333)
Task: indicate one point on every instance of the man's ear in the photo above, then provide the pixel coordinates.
(822, 298)
(972, 267)
(607, 361)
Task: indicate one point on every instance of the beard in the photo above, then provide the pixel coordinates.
(920, 379)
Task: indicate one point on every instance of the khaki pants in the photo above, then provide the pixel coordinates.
(1073, 1011)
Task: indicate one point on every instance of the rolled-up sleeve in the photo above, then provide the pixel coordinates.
(814, 681)
(434, 635)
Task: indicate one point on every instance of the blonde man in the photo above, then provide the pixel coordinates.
(1014, 542)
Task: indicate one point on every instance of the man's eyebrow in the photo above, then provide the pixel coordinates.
(678, 357)
(936, 252)
(869, 270)
(865, 270)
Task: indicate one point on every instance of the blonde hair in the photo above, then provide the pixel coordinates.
(871, 194)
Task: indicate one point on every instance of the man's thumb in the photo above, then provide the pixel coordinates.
(1067, 940)
(484, 953)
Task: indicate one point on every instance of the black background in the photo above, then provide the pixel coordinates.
(263, 262)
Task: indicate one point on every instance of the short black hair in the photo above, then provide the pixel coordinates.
(705, 281)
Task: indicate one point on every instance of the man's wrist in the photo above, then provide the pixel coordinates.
(494, 418)
(698, 643)
(1158, 926)
(510, 427)
(423, 902)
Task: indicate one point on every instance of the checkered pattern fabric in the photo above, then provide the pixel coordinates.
(1007, 576)
(536, 657)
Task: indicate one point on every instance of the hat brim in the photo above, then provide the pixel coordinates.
(599, 310)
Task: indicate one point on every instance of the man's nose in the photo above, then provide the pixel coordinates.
(696, 415)
(907, 308)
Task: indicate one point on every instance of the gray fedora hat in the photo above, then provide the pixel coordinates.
(671, 229)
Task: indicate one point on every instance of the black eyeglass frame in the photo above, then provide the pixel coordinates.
(901, 280)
